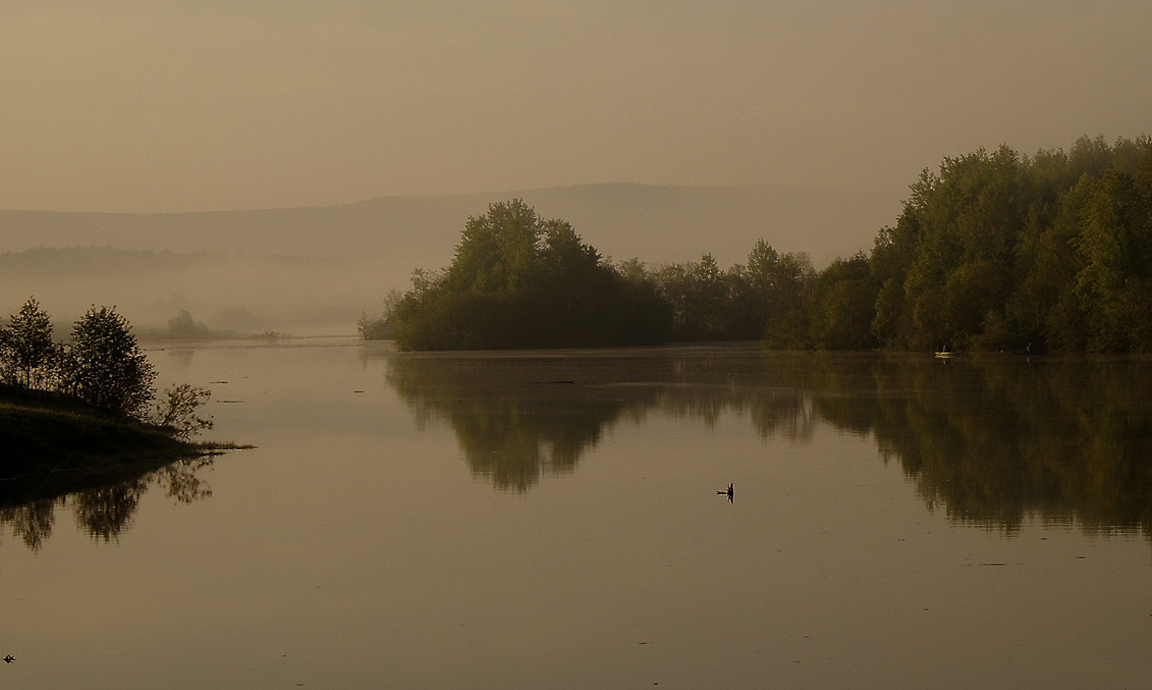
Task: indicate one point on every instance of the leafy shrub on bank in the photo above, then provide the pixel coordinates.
(101, 365)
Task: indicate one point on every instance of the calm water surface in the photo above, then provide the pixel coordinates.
(551, 520)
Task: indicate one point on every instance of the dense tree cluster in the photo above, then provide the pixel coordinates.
(996, 251)
(101, 364)
(518, 281)
(1002, 251)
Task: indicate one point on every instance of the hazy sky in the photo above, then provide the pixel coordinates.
(174, 105)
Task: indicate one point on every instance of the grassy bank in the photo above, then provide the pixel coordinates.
(47, 432)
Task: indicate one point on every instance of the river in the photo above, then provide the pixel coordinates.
(552, 520)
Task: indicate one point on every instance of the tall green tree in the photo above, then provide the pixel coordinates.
(893, 254)
(1116, 245)
(970, 221)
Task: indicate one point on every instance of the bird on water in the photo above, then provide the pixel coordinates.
(9, 659)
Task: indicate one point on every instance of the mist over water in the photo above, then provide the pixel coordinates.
(314, 270)
(243, 295)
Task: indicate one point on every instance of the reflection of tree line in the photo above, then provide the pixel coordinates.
(995, 442)
(105, 510)
(991, 441)
(509, 415)
(520, 416)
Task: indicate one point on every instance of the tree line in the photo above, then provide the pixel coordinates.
(995, 251)
(101, 365)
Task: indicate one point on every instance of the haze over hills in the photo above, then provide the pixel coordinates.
(294, 265)
(655, 223)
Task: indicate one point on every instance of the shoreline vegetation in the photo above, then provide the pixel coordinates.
(55, 445)
(997, 251)
(46, 431)
(86, 407)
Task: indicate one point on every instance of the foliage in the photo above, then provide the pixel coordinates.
(104, 366)
(518, 281)
(28, 355)
(995, 251)
(843, 305)
(787, 325)
(763, 299)
(1001, 251)
(373, 328)
(380, 327)
(176, 412)
(89, 388)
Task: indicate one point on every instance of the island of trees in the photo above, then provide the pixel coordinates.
(91, 399)
(995, 251)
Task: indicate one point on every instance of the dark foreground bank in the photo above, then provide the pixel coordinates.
(43, 433)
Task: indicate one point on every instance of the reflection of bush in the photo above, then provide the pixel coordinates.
(996, 441)
(104, 505)
(991, 440)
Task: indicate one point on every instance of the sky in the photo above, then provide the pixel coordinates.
(196, 105)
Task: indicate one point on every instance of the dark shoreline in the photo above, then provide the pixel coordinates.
(47, 437)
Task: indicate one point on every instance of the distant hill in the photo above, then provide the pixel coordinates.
(654, 223)
(288, 268)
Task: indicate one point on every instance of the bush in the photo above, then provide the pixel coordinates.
(176, 413)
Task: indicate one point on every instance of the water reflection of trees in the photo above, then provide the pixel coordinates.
(994, 441)
(991, 441)
(103, 507)
(518, 417)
